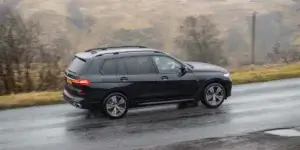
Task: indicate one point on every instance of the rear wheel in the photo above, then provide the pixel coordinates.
(214, 95)
(115, 106)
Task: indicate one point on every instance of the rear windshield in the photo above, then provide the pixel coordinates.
(76, 65)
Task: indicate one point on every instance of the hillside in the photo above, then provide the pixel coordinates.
(87, 23)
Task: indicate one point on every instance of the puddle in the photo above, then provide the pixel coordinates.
(284, 132)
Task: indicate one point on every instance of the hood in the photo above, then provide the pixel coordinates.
(199, 66)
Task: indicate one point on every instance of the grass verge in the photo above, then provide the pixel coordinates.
(248, 74)
(263, 73)
(30, 99)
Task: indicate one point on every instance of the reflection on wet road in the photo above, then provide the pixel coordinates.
(252, 107)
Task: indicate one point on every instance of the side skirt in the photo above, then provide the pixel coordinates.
(162, 102)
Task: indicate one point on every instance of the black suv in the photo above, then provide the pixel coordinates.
(114, 79)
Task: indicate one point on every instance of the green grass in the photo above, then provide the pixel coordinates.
(248, 74)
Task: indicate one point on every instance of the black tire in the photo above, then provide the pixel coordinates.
(208, 102)
(107, 101)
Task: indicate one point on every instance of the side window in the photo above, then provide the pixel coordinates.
(166, 64)
(109, 67)
(139, 65)
(121, 67)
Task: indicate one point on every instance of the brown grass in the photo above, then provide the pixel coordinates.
(265, 73)
(247, 74)
(30, 99)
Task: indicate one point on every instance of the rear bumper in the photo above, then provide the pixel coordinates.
(77, 102)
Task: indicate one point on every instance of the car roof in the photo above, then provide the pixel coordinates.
(116, 50)
(90, 53)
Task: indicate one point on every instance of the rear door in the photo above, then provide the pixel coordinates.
(103, 77)
(138, 78)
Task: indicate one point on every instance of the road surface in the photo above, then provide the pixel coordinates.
(251, 141)
(253, 107)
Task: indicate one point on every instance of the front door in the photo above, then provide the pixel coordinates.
(172, 86)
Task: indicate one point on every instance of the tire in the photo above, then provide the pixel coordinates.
(213, 95)
(115, 106)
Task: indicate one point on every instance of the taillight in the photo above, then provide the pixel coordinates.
(81, 93)
(83, 82)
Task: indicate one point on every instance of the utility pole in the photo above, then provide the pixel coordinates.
(253, 37)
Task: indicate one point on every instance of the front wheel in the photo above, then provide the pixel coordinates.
(115, 106)
(213, 95)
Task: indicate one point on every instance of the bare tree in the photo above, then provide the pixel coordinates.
(199, 37)
(274, 56)
(21, 50)
(54, 60)
(287, 56)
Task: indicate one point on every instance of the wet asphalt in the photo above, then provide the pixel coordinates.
(253, 107)
(252, 141)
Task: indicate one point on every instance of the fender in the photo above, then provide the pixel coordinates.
(225, 83)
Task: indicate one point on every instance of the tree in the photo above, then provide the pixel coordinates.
(199, 37)
(14, 48)
(290, 55)
(21, 50)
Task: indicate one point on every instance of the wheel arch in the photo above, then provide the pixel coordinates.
(116, 91)
(200, 91)
(104, 106)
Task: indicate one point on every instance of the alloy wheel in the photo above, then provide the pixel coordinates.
(116, 106)
(215, 95)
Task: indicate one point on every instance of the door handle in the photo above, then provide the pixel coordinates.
(123, 78)
(164, 78)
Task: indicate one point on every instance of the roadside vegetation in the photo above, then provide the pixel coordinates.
(30, 99)
(31, 63)
(250, 74)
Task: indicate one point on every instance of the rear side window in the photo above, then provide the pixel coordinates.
(109, 67)
(139, 65)
(77, 65)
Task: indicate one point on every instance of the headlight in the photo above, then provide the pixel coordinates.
(227, 75)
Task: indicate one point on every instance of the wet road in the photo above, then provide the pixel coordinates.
(252, 107)
(252, 141)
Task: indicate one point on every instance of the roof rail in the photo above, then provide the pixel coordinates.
(117, 52)
(112, 47)
(91, 50)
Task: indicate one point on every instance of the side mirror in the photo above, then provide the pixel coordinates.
(183, 70)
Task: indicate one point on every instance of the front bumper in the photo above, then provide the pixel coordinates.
(228, 89)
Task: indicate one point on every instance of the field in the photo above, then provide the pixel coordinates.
(81, 22)
(247, 74)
